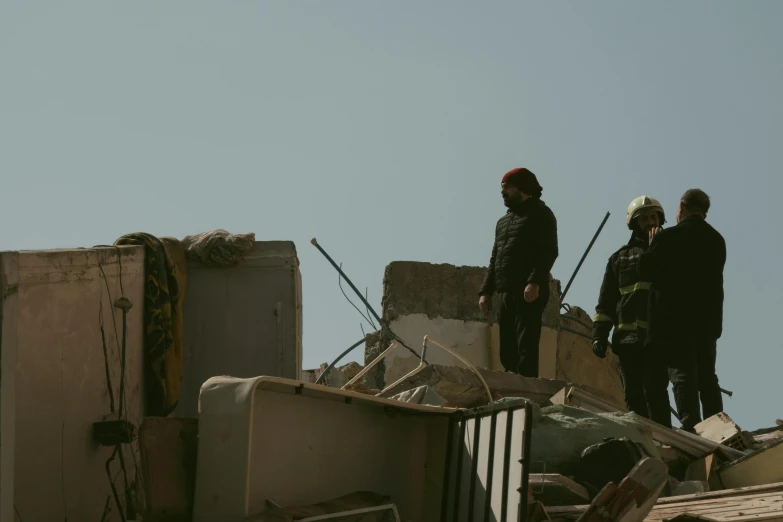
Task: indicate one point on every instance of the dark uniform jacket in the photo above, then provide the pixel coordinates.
(685, 265)
(525, 249)
(622, 303)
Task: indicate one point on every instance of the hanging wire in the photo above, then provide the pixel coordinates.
(340, 284)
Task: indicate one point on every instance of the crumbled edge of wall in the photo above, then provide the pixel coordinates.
(437, 290)
(374, 346)
(446, 291)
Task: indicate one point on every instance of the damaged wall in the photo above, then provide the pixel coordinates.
(243, 320)
(441, 301)
(437, 300)
(55, 305)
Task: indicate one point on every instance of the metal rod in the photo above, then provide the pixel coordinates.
(562, 296)
(346, 352)
(370, 366)
(356, 290)
(528, 439)
(410, 374)
(506, 464)
(444, 504)
(490, 465)
(461, 449)
(474, 467)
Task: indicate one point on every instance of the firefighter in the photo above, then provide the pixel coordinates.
(524, 251)
(622, 306)
(685, 265)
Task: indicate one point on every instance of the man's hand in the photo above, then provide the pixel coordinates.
(654, 232)
(531, 292)
(485, 304)
(599, 348)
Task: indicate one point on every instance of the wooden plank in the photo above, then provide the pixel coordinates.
(683, 503)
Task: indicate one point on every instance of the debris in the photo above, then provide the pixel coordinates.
(704, 470)
(765, 435)
(536, 512)
(690, 487)
(562, 433)
(340, 375)
(721, 429)
(764, 466)
(608, 461)
(676, 461)
(689, 443)
(573, 396)
(633, 498)
(552, 489)
(462, 389)
(421, 395)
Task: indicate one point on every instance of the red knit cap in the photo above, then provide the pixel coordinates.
(524, 180)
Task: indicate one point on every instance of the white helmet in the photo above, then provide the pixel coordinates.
(641, 204)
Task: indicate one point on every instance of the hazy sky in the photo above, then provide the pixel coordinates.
(383, 129)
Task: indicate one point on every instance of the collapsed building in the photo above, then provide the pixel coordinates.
(224, 425)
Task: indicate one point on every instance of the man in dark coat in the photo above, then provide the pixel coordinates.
(622, 307)
(524, 251)
(685, 265)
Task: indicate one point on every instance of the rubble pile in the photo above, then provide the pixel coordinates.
(585, 447)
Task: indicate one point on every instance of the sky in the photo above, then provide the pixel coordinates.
(383, 129)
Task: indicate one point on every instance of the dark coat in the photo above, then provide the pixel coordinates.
(622, 302)
(685, 265)
(525, 249)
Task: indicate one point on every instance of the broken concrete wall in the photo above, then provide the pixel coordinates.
(442, 301)
(243, 320)
(57, 311)
(577, 363)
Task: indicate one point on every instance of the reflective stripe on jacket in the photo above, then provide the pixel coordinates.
(622, 302)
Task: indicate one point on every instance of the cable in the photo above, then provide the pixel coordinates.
(340, 284)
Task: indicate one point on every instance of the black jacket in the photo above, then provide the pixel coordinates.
(525, 249)
(622, 303)
(685, 265)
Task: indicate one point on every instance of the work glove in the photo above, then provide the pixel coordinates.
(599, 348)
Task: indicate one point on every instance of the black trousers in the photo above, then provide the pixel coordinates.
(692, 372)
(646, 384)
(520, 331)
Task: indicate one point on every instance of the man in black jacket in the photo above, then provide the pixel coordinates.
(622, 306)
(685, 265)
(524, 251)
